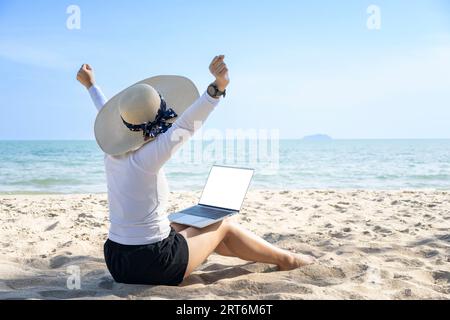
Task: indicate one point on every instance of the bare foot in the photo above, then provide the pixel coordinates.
(296, 260)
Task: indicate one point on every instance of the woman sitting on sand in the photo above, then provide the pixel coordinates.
(139, 129)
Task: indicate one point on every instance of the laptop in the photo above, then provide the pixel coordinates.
(222, 197)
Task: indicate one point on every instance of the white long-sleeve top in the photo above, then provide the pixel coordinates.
(137, 186)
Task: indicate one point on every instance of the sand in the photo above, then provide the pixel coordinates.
(369, 245)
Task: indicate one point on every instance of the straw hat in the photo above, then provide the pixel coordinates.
(139, 113)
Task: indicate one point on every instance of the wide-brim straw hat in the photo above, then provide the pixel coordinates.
(139, 104)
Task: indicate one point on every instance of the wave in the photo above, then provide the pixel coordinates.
(416, 177)
(46, 182)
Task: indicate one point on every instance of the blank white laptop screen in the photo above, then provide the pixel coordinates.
(226, 187)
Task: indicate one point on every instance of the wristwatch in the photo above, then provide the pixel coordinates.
(214, 91)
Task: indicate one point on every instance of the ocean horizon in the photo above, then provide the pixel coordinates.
(76, 166)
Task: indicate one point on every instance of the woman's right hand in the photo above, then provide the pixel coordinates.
(86, 76)
(219, 70)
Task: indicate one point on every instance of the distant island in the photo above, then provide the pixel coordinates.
(318, 137)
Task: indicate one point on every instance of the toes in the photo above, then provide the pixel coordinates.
(306, 260)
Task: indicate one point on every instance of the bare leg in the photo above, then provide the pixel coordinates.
(221, 249)
(178, 227)
(248, 246)
(237, 242)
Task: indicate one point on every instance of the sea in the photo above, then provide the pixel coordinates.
(41, 167)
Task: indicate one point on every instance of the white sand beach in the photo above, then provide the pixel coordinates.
(369, 245)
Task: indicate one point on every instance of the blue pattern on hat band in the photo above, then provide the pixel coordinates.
(152, 129)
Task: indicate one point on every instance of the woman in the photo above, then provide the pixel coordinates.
(142, 246)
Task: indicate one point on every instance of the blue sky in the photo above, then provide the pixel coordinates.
(302, 67)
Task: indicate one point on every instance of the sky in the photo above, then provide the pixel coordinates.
(300, 67)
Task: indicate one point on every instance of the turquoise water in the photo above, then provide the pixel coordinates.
(77, 166)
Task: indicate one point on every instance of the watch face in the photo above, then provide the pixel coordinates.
(212, 91)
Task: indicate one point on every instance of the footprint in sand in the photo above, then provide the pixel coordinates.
(52, 226)
(275, 287)
(66, 244)
(85, 215)
(59, 261)
(371, 250)
(441, 276)
(380, 229)
(407, 262)
(106, 283)
(337, 234)
(402, 276)
(338, 208)
(429, 253)
(68, 294)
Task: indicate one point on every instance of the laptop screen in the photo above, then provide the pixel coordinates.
(226, 187)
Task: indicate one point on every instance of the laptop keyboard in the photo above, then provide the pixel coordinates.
(207, 212)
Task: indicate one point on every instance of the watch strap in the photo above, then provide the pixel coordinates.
(217, 92)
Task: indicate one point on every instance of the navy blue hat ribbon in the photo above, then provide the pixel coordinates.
(152, 129)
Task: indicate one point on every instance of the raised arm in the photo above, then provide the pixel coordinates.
(86, 77)
(152, 156)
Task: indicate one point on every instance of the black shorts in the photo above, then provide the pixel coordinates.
(161, 263)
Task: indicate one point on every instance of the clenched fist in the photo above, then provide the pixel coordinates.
(86, 76)
(219, 70)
